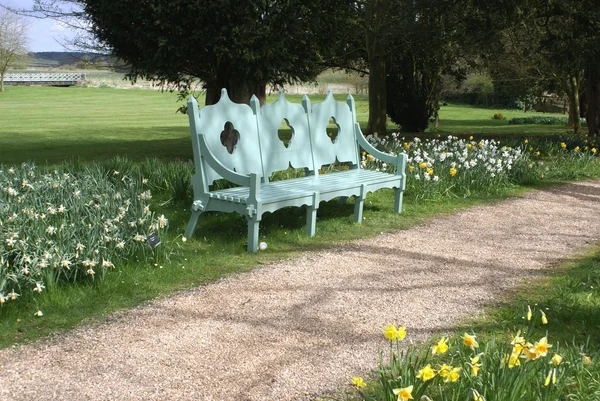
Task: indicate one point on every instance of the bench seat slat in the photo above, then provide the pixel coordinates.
(280, 190)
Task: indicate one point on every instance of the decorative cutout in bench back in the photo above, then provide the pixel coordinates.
(333, 129)
(229, 137)
(231, 133)
(286, 133)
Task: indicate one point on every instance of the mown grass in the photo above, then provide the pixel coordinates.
(49, 125)
(470, 120)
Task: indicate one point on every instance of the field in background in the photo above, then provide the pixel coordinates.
(55, 124)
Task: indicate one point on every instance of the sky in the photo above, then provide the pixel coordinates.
(43, 33)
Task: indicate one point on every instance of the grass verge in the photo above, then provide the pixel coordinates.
(570, 299)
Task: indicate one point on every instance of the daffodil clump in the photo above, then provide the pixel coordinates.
(581, 144)
(63, 226)
(463, 367)
(439, 167)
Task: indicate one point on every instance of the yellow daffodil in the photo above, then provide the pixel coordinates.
(470, 341)
(586, 359)
(541, 347)
(537, 154)
(544, 318)
(469, 146)
(530, 354)
(390, 332)
(444, 370)
(441, 347)
(518, 339)
(475, 359)
(404, 394)
(526, 141)
(411, 168)
(594, 150)
(531, 148)
(563, 145)
(429, 170)
(576, 149)
(471, 138)
(475, 369)
(422, 165)
(427, 373)
(512, 360)
(401, 334)
(453, 376)
(556, 359)
(528, 312)
(477, 396)
(394, 334)
(453, 172)
(548, 377)
(358, 382)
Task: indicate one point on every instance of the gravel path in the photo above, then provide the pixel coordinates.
(300, 328)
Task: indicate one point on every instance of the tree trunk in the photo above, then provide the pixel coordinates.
(237, 92)
(573, 93)
(376, 51)
(593, 98)
(2, 82)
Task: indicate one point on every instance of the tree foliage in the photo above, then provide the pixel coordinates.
(428, 40)
(13, 42)
(241, 46)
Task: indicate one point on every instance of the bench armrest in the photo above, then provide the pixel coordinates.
(229, 175)
(398, 160)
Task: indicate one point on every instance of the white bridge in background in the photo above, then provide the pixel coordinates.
(45, 78)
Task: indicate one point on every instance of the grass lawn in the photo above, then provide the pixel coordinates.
(56, 124)
(464, 119)
(49, 125)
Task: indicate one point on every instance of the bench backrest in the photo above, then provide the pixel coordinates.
(245, 138)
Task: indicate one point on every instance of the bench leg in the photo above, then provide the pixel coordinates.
(359, 203)
(189, 231)
(311, 216)
(311, 221)
(398, 201)
(253, 225)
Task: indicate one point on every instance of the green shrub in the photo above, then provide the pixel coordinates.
(498, 116)
(544, 120)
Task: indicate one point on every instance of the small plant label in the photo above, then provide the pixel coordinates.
(153, 240)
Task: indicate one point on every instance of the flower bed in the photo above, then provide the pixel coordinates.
(62, 226)
(452, 166)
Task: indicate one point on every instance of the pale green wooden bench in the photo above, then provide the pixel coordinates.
(240, 143)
